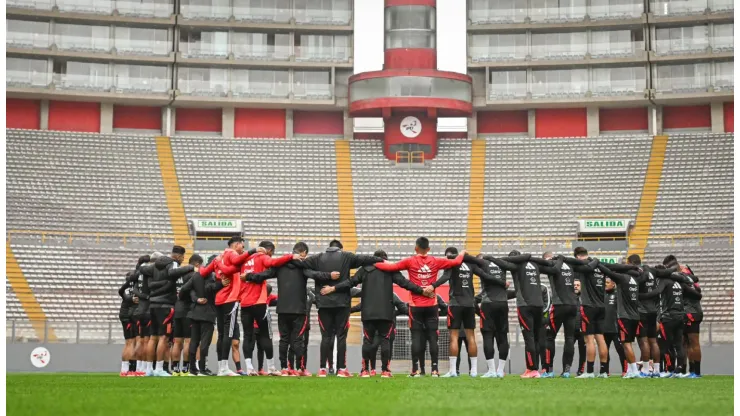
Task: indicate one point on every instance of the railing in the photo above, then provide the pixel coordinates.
(109, 332)
(612, 87)
(322, 16)
(497, 53)
(559, 89)
(312, 91)
(27, 79)
(615, 49)
(259, 89)
(561, 51)
(723, 43)
(261, 14)
(558, 14)
(375, 242)
(204, 50)
(309, 53)
(680, 7)
(256, 51)
(403, 157)
(142, 47)
(678, 85)
(208, 12)
(27, 40)
(136, 8)
(132, 84)
(86, 6)
(31, 4)
(615, 11)
(681, 46)
(203, 88)
(508, 91)
(83, 82)
(82, 43)
(491, 16)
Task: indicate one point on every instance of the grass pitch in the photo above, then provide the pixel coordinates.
(104, 394)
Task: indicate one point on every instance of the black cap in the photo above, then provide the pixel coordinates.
(178, 250)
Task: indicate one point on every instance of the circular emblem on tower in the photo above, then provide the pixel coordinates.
(411, 127)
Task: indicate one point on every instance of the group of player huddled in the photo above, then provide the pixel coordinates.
(169, 311)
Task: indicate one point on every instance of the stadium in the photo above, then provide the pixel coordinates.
(430, 150)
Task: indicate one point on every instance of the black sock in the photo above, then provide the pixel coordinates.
(590, 367)
(131, 365)
(166, 366)
(185, 366)
(238, 365)
(604, 368)
(697, 368)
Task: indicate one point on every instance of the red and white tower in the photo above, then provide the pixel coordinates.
(410, 93)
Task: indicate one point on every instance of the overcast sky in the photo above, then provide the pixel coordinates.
(451, 51)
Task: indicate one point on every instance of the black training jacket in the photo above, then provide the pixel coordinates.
(199, 287)
(291, 285)
(561, 278)
(336, 260)
(166, 270)
(628, 286)
(462, 292)
(377, 291)
(526, 276)
(671, 292)
(144, 288)
(592, 281)
(126, 292)
(610, 312)
(182, 307)
(691, 303)
(494, 291)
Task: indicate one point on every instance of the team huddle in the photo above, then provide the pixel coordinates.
(169, 311)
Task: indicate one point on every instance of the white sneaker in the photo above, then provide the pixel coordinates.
(587, 375)
(473, 374)
(665, 375)
(602, 375)
(681, 375)
(500, 374)
(449, 375)
(490, 374)
(161, 373)
(629, 375)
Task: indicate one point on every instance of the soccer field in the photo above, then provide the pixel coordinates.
(89, 394)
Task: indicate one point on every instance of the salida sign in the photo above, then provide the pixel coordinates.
(218, 225)
(603, 225)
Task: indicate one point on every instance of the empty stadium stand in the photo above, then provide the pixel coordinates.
(83, 207)
(696, 191)
(84, 182)
(277, 187)
(538, 187)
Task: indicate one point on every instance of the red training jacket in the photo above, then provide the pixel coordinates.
(423, 271)
(227, 264)
(256, 293)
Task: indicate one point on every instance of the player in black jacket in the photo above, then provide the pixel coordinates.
(461, 312)
(201, 293)
(401, 309)
(165, 270)
(694, 317)
(181, 323)
(671, 291)
(378, 313)
(334, 308)
(611, 328)
(143, 288)
(579, 335)
(126, 316)
(291, 307)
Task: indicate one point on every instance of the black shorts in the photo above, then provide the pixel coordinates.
(627, 329)
(693, 323)
(129, 328)
(161, 320)
(143, 326)
(648, 326)
(592, 320)
(237, 335)
(424, 317)
(181, 328)
(461, 317)
(494, 317)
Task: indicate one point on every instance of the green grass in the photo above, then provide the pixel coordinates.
(98, 394)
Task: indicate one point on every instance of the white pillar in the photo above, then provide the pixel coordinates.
(531, 125)
(289, 123)
(473, 126)
(592, 121)
(349, 126)
(718, 118)
(44, 116)
(106, 117)
(227, 122)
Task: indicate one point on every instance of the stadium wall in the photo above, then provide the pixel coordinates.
(198, 120)
(687, 117)
(623, 119)
(717, 359)
(560, 122)
(74, 116)
(503, 122)
(137, 117)
(254, 122)
(330, 123)
(729, 117)
(22, 114)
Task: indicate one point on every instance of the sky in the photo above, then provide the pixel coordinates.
(451, 50)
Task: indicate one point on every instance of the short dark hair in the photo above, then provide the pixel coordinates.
(422, 243)
(336, 243)
(235, 239)
(634, 259)
(267, 245)
(514, 253)
(178, 250)
(300, 247)
(451, 250)
(211, 258)
(578, 251)
(670, 261)
(382, 254)
(143, 259)
(195, 259)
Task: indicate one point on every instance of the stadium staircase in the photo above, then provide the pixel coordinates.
(346, 196)
(474, 235)
(650, 188)
(25, 296)
(172, 192)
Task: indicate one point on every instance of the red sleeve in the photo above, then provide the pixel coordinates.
(444, 264)
(206, 271)
(393, 267)
(277, 261)
(241, 258)
(229, 257)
